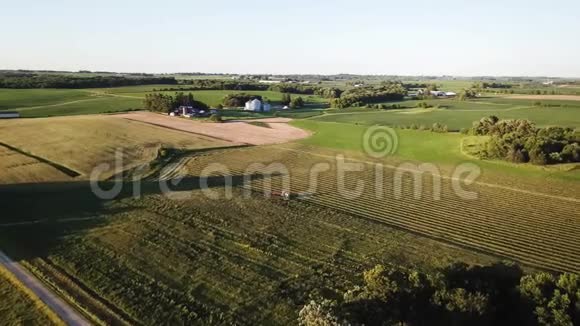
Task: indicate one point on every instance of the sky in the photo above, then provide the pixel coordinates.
(445, 37)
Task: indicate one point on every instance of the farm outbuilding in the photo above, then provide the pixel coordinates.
(9, 115)
(253, 105)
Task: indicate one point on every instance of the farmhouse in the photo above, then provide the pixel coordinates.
(9, 115)
(189, 111)
(443, 94)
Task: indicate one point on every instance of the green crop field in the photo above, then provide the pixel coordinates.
(186, 258)
(246, 261)
(95, 105)
(33, 103)
(449, 218)
(11, 99)
(461, 114)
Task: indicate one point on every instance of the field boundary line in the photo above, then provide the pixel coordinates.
(56, 304)
(490, 185)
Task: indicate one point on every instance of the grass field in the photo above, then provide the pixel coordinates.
(33, 103)
(79, 144)
(422, 146)
(461, 114)
(11, 99)
(17, 307)
(90, 106)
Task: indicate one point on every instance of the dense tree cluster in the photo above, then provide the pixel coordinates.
(326, 92)
(359, 96)
(239, 99)
(159, 102)
(29, 80)
(519, 141)
(242, 85)
(297, 103)
(499, 294)
(466, 94)
(286, 99)
(485, 85)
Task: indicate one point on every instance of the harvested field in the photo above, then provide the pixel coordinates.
(18, 168)
(237, 131)
(80, 144)
(546, 97)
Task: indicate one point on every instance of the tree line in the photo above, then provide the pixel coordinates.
(241, 85)
(498, 294)
(63, 81)
(159, 102)
(520, 141)
(360, 96)
(292, 102)
(325, 92)
(239, 99)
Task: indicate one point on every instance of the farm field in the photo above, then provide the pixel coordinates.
(18, 308)
(79, 144)
(11, 99)
(500, 221)
(458, 85)
(33, 103)
(457, 115)
(17, 167)
(95, 105)
(184, 258)
(239, 133)
(546, 97)
(198, 260)
(422, 146)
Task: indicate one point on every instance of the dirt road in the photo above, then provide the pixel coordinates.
(57, 305)
(238, 132)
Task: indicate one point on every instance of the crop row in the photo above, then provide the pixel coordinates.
(471, 223)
